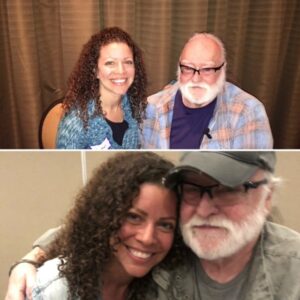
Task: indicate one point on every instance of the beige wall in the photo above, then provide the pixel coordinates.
(37, 188)
(287, 198)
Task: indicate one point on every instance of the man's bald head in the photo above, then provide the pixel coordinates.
(203, 48)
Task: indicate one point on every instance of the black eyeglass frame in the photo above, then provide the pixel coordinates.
(208, 189)
(201, 69)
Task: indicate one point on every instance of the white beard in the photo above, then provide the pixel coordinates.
(226, 242)
(209, 95)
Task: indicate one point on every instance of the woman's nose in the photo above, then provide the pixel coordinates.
(120, 68)
(146, 235)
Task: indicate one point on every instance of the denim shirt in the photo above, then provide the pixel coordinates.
(49, 285)
(277, 276)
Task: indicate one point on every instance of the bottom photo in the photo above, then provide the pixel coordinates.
(150, 225)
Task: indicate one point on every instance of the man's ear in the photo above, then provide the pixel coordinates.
(269, 198)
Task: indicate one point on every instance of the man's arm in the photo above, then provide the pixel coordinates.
(158, 116)
(47, 238)
(22, 277)
(253, 129)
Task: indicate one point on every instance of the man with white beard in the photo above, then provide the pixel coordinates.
(202, 110)
(236, 253)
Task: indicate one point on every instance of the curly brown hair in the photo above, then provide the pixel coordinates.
(84, 245)
(83, 85)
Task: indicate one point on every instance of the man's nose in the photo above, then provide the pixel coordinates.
(197, 76)
(206, 206)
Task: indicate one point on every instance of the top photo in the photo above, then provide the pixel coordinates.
(161, 74)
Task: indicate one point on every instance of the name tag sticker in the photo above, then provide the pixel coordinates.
(103, 146)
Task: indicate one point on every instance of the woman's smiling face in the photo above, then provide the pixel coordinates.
(116, 69)
(147, 232)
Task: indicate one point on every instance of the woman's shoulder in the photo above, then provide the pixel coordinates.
(49, 284)
(75, 110)
(73, 119)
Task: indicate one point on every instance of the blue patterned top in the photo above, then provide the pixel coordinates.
(97, 134)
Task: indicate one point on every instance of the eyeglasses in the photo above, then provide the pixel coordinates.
(187, 70)
(221, 195)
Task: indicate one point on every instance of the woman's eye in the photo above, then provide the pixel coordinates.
(166, 226)
(133, 218)
(129, 62)
(109, 63)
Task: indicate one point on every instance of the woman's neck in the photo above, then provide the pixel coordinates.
(114, 291)
(112, 108)
(110, 104)
(109, 100)
(115, 282)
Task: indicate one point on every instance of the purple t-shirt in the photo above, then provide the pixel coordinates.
(189, 124)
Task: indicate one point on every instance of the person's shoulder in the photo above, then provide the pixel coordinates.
(49, 270)
(75, 110)
(233, 93)
(163, 96)
(164, 277)
(281, 260)
(281, 241)
(49, 283)
(176, 282)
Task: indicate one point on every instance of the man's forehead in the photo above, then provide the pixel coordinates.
(204, 179)
(201, 49)
(198, 177)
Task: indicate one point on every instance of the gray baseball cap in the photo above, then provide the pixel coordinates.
(229, 168)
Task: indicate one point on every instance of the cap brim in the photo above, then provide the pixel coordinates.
(222, 168)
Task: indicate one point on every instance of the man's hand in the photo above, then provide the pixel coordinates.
(21, 282)
(22, 278)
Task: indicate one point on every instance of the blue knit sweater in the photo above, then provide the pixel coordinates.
(73, 135)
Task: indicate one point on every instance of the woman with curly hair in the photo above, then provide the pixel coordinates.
(106, 95)
(123, 223)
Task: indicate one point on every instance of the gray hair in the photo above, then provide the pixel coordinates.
(274, 184)
(275, 181)
(212, 37)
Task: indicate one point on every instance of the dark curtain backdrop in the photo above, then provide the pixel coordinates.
(41, 39)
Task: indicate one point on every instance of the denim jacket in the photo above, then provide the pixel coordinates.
(277, 276)
(49, 285)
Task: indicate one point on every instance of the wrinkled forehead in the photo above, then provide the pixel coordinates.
(201, 50)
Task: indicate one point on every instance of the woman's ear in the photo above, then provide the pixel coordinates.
(96, 72)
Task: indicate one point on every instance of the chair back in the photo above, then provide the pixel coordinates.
(49, 125)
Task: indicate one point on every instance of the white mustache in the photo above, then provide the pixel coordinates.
(215, 222)
(199, 85)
